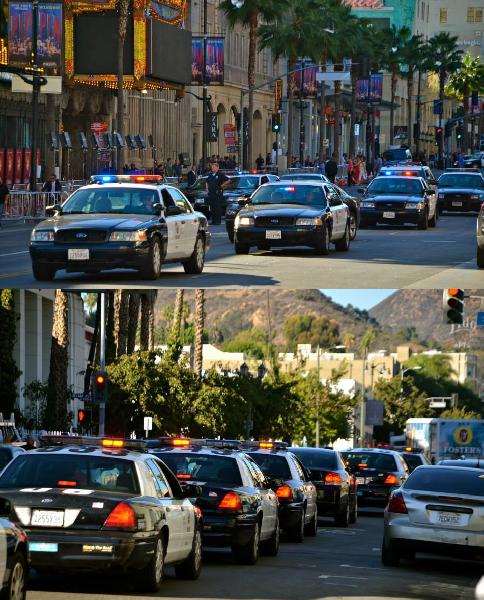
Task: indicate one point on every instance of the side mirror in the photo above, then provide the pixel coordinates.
(157, 208)
(173, 211)
(433, 181)
(5, 508)
(190, 490)
(50, 211)
(361, 190)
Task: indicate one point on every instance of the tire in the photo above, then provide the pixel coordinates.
(353, 226)
(241, 248)
(433, 220)
(480, 258)
(194, 265)
(151, 576)
(230, 233)
(311, 529)
(248, 554)
(423, 222)
(342, 519)
(271, 546)
(43, 272)
(296, 533)
(343, 245)
(323, 246)
(191, 567)
(152, 268)
(389, 558)
(15, 588)
(354, 512)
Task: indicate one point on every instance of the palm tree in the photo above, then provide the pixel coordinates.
(148, 299)
(199, 327)
(56, 413)
(366, 342)
(121, 316)
(123, 11)
(413, 57)
(249, 15)
(133, 319)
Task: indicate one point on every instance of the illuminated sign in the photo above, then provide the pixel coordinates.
(365, 4)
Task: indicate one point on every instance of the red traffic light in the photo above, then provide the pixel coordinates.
(81, 415)
(453, 305)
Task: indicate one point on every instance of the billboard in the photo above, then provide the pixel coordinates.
(27, 165)
(214, 68)
(20, 34)
(49, 37)
(310, 86)
(362, 90)
(461, 438)
(376, 87)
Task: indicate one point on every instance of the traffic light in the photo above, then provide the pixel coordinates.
(459, 132)
(84, 418)
(100, 383)
(276, 122)
(438, 134)
(453, 306)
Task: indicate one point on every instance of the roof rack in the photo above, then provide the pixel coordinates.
(106, 443)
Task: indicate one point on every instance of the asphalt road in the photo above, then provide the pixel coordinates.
(382, 257)
(340, 564)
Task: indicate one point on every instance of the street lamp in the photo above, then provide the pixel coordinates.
(261, 371)
(244, 370)
(402, 375)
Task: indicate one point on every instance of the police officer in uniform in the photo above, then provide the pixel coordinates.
(216, 181)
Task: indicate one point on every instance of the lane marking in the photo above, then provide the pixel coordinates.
(366, 568)
(12, 253)
(341, 576)
(7, 275)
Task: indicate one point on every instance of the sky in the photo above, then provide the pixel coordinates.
(362, 299)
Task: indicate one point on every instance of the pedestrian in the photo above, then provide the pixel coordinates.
(192, 175)
(460, 160)
(331, 168)
(169, 168)
(351, 168)
(4, 196)
(216, 181)
(54, 188)
(378, 164)
(259, 162)
(268, 159)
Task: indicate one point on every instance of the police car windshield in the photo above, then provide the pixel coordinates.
(203, 468)
(461, 180)
(308, 195)
(124, 200)
(74, 470)
(273, 466)
(244, 182)
(395, 185)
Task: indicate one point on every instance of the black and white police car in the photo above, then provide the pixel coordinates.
(120, 222)
(90, 503)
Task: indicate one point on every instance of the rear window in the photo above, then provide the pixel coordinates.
(397, 154)
(315, 459)
(285, 193)
(75, 471)
(275, 467)
(369, 460)
(219, 470)
(413, 460)
(448, 481)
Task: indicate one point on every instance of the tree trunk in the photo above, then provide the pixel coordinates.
(110, 341)
(409, 111)
(253, 23)
(291, 65)
(354, 78)
(51, 126)
(91, 361)
(337, 118)
(177, 317)
(393, 89)
(144, 336)
(121, 314)
(56, 413)
(199, 326)
(134, 303)
(123, 8)
(465, 134)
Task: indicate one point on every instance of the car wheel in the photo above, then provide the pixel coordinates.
(480, 257)
(423, 222)
(241, 248)
(343, 244)
(342, 518)
(15, 588)
(354, 511)
(152, 268)
(230, 233)
(248, 553)
(323, 245)
(390, 558)
(296, 533)
(191, 567)
(271, 546)
(433, 220)
(353, 226)
(43, 272)
(194, 265)
(151, 576)
(311, 528)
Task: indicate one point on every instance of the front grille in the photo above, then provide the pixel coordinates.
(274, 221)
(77, 236)
(390, 205)
(456, 196)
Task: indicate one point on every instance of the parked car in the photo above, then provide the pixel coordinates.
(15, 575)
(480, 238)
(460, 190)
(397, 156)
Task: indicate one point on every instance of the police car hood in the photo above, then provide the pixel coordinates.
(282, 210)
(106, 222)
(460, 190)
(394, 198)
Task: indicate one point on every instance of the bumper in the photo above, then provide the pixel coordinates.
(467, 205)
(372, 217)
(101, 256)
(373, 496)
(401, 534)
(227, 530)
(294, 236)
(89, 550)
(290, 514)
(328, 500)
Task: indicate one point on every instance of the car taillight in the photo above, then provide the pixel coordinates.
(332, 478)
(121, 516)
(396, 503)
(284, 492)
(391, 480)
(231, 501)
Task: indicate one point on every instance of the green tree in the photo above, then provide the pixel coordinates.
(9, 372)
(252, 342)
(310, 329)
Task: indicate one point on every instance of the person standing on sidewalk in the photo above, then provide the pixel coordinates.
(216, 181)
(4, 195)
(331, 169)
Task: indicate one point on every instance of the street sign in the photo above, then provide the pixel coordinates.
(212, 128)
(278, 95)
(357, 129)
(438, 107)
(438, 404)
(480, 319)
(148, 423)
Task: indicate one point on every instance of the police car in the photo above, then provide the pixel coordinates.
(120, 222)
(89, 503)
(461, 190)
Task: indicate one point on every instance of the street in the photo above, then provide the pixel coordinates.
(339, 563)
(382, 257)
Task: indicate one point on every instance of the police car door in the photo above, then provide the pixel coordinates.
(190, 222)
(337, 212)
(174, 225)
(269, 503)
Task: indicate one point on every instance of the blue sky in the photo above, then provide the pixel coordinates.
(363, 299)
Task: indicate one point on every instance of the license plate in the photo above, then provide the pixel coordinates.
(43, 547)
(48, 518)
(447, 518)
(388, 215)
(456, 203)
(360, 480)
(78, 254)
(273, 235)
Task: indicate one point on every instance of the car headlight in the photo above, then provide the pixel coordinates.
(230, 212)
(42, 236)
(367, 204)
(312, 221)
(441, 196)
(243, 221)
(128, 236)
(415, 205)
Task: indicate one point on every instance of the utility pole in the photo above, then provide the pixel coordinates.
(363, 405)
(102, 365)
(301, 117)
(36, 82)
(418, 115)
(204, 83)
(317, 398)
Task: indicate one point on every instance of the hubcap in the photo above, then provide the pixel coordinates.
(17, 587)
(352, 226)
(159, 560)
(156, 257)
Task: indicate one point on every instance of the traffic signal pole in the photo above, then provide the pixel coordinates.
(102, 365)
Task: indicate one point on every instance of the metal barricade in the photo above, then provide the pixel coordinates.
(25, 206)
